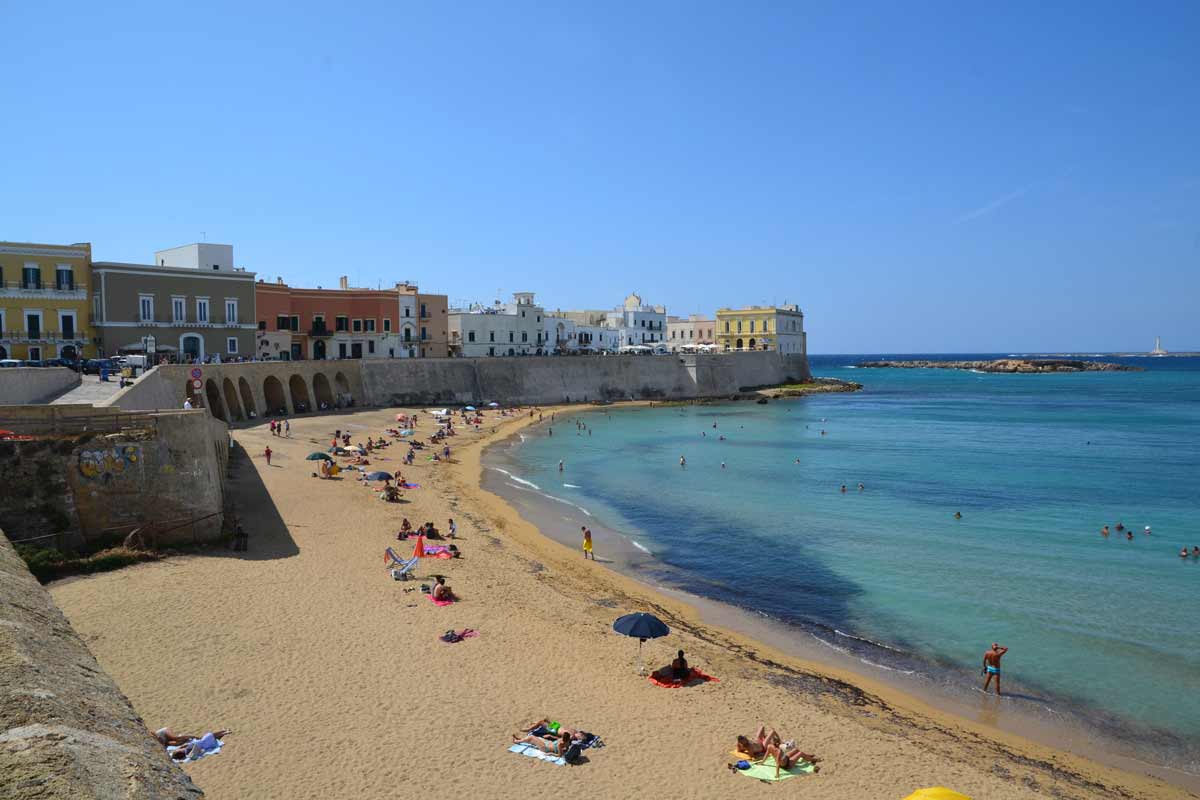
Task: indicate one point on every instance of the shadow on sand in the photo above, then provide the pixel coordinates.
(248, 501)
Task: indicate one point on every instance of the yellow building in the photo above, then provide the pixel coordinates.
(44, 311)
(778, 328)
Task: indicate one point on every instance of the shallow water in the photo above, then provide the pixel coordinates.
(1101, 629)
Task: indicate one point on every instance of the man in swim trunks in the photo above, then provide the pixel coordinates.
(991, 665)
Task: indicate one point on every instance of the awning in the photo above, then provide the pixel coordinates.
(137, 347)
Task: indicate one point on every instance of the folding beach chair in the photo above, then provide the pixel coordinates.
(401, 568)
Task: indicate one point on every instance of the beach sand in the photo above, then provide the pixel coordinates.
(334, 682)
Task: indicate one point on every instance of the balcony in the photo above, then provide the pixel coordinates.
(319, 332)
(66, 290)
(36, 336)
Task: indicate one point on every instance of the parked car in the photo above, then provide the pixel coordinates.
(93, 366)
(10, 362)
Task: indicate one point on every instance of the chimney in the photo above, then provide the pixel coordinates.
(343, 282)
(279, 281)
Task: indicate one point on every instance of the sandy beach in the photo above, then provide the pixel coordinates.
(332, 677)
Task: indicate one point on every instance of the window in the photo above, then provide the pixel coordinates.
(341, 323)
(370, 345)
(491, 336)
(146, 307)
(64, 277)
(231, 316)
(424, 313)
(33, 326)
(522, 315)
(387, 324)
(539, 319)
(510, 337)
(201, 309)
(424, 335)
(67, 323)
(406, 310)
(231, 345)
(470, 336)
(369, 325)
(178, 310)
(294, 325)
(752, 326)
(31, 277)
(262, 324)
(408, 334)
(281, 322)
(727, 326)
(491, 351)
(358, 326)
(95, 306)
(739, 326)
(524, 336)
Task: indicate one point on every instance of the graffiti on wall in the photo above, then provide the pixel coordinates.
(109, 463)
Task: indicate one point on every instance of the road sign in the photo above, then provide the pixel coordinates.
(196, 373)
(196, 384)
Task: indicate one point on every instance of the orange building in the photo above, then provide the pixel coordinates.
(347, 322)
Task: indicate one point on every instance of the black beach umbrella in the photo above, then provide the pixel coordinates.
(318, 457)
(643, 626)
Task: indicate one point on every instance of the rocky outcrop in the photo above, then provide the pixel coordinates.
(1009, 365)
(66, 731)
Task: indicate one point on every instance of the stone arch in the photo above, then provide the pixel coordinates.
(318, 350)
(247, 398)
(739, 344)
(273, 394)
(322, 394)
(751, 344)
(340, 384)
(214, 400)
(299, 392)
(231, 401)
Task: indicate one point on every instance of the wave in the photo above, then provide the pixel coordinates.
(860, 659)
(868, 641)
(517, 479)
(572, 486)
(641, 547)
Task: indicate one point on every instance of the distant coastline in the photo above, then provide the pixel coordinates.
(1007, 365)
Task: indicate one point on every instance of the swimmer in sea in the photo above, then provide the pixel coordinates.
(1120, 527)
(1129, 535)
(682, 461)
(843, 488)
(722, 465)
(1147, 531)
(1196, 552)
(822, 432)
(958, 515)
(560, 466)
(861, 487)
(1104, 531)
(1183, 553)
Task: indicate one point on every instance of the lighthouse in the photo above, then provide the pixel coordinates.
(1158, 348)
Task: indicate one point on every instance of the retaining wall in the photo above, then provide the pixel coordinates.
(66, 731)
(235, 392)
(21, 385)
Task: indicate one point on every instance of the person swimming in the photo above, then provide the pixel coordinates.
(843, 488)
(682, 461)
(1147, 531)
(1104, 531)
(958, 515)
(1183, 553)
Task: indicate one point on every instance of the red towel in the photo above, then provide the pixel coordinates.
(695, 678)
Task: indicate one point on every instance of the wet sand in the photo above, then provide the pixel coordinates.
(335, 684)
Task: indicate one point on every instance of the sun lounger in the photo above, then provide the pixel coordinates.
(403, 566)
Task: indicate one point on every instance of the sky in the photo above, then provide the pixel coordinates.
(918, 177)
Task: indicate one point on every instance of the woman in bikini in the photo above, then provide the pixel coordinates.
(786, 757)
(556, 747)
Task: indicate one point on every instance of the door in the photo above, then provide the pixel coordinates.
(319, 349)
(297, 353)
(191, 347)
(341, 349)
(356, 349)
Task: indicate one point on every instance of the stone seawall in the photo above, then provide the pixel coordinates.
(235, 392)
(21, 385)
(66, 731)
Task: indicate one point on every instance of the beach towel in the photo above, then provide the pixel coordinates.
(437, 602)
(695, 678)
(765, 770)
(206, 745)
(533, 752)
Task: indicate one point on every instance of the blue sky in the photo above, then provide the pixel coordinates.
(918, 176)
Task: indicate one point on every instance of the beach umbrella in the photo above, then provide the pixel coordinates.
(493, 405)
(468, 408)
(318, 457)
(936, 793)
(379, 476)
(419, 550)
(643, 626)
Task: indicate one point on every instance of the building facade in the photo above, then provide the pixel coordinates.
(187, 305)
(779, 328)
(505, 329)
(433, 325)
(44, 301)
(691, 332)
(638, 323)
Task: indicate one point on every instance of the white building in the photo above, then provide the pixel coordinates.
(203, 256)
(506, 329)
(638, 323)
(407, 329)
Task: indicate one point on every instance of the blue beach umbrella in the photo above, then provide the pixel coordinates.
(643, 626)
(469, 408)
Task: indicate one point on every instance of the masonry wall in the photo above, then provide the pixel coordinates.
(66, 731)
(20, 385)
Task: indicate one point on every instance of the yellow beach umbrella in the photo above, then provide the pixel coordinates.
(936, 793)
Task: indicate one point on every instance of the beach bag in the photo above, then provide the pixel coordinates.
(451, 637)
(743, 764)
(573, 754)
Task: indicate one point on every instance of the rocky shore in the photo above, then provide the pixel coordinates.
(1010, 365)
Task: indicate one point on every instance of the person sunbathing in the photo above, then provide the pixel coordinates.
(556, 746)
(405, 526)
(169, 738)
(786, 754)
(441, 591)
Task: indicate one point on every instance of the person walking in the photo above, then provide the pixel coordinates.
(272, 427)
(287, 428)
(267, 453)
(991, 665)
(587, 543)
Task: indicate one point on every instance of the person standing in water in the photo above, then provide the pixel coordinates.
(587, 543)
(682, 461)
(1104, 531)
(991, 665)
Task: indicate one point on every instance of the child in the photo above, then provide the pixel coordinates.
(268, 455)
(587, 543)
(453, 530)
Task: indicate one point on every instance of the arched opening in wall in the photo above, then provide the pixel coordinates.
(66, 351)
(739, 344)
(247, 398)
(321, 391)
(273, 395)
(231, 401)
(3, 352)
(319, 349)
(751, 344)
(299, 390)
(342, 387)
(189, 392)
(214, 399)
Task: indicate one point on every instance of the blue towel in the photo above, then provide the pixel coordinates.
(206, 745)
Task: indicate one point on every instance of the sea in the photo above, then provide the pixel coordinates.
(1103, 632)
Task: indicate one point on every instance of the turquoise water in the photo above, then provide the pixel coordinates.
(1102, 629)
